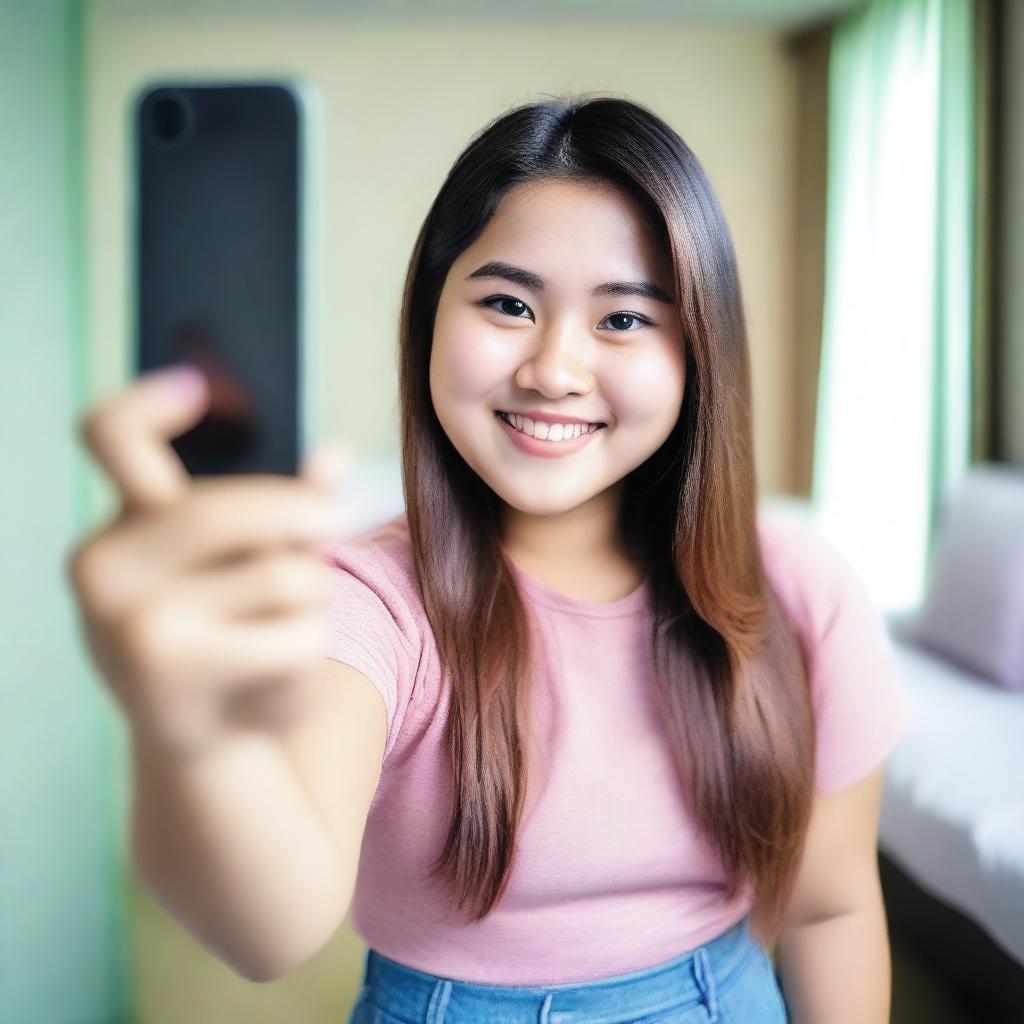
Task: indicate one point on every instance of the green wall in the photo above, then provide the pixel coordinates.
(62, 945)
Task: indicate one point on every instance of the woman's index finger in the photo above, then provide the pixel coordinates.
(129, 434)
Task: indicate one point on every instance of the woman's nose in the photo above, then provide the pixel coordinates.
(559, 362)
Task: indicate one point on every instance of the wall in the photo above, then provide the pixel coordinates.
(61, 946)
(402, 101)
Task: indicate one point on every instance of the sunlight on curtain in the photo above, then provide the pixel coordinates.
(894, 394)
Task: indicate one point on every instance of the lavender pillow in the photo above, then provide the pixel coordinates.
(973, 610)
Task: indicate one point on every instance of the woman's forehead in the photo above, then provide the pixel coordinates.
(602, 229)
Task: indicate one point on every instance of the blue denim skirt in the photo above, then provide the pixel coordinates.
(728, 980)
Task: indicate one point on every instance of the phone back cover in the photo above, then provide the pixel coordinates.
(218, 263)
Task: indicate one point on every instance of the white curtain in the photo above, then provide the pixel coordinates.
(894, 393)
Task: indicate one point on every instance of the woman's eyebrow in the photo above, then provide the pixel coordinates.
(528, 279)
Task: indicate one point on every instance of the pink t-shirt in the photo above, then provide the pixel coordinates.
(609, 874)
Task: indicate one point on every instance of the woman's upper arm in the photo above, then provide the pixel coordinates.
(338, 751)
(839, 867)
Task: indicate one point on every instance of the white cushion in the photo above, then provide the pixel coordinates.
(973, 608)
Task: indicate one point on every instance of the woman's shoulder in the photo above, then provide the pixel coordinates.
(386, 546)
(377, 567)
(861, 711)
(805, 568)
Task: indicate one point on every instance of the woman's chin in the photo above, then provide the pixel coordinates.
(540, 504)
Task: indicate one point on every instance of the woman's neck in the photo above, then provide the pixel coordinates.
(579, 553)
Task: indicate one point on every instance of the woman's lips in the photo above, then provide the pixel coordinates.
(545, 449)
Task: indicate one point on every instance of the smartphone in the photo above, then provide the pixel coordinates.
(225, 255)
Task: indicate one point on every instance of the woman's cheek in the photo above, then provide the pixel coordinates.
(470, 362)
(647, 390)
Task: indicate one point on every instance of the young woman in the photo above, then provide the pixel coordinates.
(595, 734)
(592, 649)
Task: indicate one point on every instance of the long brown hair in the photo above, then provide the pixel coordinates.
(731, 680)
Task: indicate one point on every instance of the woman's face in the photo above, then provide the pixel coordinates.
(549, 343)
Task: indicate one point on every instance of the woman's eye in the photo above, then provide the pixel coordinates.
(518, 306)
(642, 320)
(505, 298)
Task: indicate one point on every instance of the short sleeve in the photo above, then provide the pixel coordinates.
(861, 707)
(372, 623)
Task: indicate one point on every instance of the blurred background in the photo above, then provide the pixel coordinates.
(868, 157)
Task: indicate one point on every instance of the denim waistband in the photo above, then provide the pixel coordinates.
(686, 982)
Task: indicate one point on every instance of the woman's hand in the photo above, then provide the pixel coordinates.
(203, 602)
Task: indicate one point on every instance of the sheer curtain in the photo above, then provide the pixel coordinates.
(894, 416)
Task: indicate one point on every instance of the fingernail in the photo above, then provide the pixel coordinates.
(188, 381)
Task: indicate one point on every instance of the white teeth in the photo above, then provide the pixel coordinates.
(550, 431)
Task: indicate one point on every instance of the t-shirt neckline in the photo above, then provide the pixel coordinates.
(631, 604)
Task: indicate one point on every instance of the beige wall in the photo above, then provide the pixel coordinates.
(402, 101)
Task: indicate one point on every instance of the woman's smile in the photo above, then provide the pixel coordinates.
(546, 447)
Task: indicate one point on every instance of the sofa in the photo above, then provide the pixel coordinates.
(951, 834)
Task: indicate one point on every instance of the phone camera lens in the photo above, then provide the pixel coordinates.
(170, 119)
